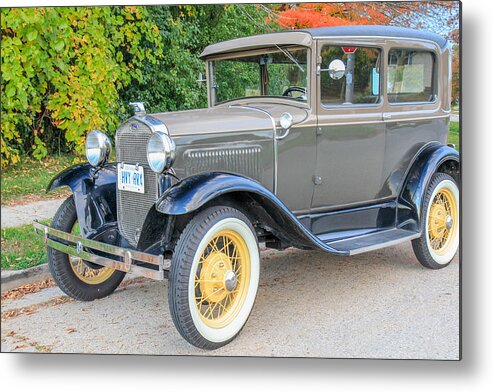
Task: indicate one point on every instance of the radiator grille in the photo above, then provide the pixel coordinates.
(131, 145)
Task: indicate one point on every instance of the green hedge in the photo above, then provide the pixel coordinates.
(67, 70)
(63, 68)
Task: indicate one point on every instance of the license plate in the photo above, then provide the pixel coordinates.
(131, 178)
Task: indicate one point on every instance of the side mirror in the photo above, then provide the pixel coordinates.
(336, 69)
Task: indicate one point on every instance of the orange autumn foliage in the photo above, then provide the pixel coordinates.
(329, 14)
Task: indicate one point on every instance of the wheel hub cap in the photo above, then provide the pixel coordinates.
(213, 276)
(449, 222)
(438, 216)
(230, 280)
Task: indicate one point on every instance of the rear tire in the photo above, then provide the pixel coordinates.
(214, 277)
(439, 241)
(77, 279)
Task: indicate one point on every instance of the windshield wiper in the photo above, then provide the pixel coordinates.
(290, 56)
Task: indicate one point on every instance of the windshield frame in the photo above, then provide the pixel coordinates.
(271, 98)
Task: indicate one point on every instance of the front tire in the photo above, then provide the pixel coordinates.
(75, 277)
(214, 277)
(439, 241)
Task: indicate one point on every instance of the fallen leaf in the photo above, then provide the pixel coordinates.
(28, 289)
(20, 346)
(70, 330)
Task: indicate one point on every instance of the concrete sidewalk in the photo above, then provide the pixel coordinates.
(25, 214)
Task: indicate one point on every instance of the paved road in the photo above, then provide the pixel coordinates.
(377, 305)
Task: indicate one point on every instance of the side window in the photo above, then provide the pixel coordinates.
(360, 83)
(410, 76)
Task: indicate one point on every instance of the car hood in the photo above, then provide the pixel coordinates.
(234, 118)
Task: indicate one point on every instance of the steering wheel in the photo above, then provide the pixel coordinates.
(289, 92)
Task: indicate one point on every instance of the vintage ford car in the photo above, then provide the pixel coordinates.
(330, 138)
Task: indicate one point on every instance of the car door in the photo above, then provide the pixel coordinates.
(296, 160)
(350, 132)
(413, 114)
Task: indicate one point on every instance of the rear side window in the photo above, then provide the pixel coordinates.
(359, 81)
(410, 76)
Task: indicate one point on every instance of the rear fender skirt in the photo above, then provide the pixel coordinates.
(94, 196)
(257, 201)
(430, 161)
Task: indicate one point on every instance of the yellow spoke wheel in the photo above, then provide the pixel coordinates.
(214, 275)
(87, 274)
(82, 269)
(222, 279)
(439, 226)
(441, 221)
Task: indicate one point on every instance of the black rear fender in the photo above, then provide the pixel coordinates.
(436, 158)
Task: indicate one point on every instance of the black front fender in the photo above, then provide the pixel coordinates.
(94, 196)
(257, 201)
(195, 191)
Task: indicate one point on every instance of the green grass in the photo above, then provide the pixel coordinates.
(21, 248)
(27, 180)
(453, 136)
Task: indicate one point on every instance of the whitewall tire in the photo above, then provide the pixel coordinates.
(439, 241)
(214, 277)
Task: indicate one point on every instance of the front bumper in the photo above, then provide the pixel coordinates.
(80, 247)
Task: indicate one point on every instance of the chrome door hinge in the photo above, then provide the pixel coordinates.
(319, 64)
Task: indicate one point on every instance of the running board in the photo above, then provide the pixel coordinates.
(373, 241)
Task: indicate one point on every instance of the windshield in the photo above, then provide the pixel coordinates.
(278, 72)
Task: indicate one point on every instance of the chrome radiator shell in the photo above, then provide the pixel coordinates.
(132, 207)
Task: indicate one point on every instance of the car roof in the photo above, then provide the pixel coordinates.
(376, 31)
(305, 37)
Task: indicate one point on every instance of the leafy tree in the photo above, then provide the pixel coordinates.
(70, 69)
(62, 70)
(171, 83)
(454, 36)
(438, 16)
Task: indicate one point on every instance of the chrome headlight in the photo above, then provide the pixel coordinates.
(160, 152)
(98, 148)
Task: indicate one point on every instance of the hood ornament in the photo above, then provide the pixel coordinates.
(138, 107)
